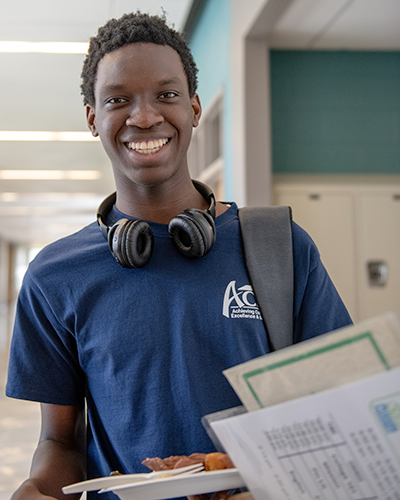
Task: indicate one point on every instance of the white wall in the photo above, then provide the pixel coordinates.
(251, 137)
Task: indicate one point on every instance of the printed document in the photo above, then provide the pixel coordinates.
(338, 444)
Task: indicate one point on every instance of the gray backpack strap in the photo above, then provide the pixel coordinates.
(267, 242)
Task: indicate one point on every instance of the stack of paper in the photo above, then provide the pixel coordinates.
(327, 361)
(328, 419)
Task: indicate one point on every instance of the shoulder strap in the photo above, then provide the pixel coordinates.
(267, 242)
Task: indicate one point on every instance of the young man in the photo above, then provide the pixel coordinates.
(142, 338)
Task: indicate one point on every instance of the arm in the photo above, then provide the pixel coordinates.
(59, 458)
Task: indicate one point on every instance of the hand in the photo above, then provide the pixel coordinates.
(219, 495)
(29, 491)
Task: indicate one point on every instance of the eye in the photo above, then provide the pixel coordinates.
(115, 100)
(168, 95)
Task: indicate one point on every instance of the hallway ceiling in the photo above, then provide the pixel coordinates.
(40, 92)
(339, 25)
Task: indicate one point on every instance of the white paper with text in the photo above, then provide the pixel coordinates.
(339, 444)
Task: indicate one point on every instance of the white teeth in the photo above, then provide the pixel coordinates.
(147, 147)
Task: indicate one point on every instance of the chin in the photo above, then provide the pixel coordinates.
(149, 177)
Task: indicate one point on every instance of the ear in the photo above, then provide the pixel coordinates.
(196, 106)
(90, 118)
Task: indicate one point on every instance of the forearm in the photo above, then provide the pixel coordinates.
(54, 465)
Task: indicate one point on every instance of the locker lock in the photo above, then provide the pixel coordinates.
(377, 271)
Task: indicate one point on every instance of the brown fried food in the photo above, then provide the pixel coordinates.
(194, 458)
(217, 461)
(211, 461)
(157, 464)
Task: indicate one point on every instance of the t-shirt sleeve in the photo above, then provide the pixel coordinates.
(43, 363)
(318, 307)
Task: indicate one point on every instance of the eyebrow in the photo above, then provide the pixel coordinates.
(112, 87)
(117, 86)
(168, 81)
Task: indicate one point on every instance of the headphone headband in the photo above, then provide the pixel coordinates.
(103, 210)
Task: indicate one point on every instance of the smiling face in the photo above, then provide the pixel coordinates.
(144, 115)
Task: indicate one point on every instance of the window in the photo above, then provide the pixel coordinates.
(205, 154)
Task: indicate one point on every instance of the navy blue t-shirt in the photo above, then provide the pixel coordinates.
(147, 347)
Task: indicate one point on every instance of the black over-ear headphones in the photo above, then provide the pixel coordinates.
(131, 240)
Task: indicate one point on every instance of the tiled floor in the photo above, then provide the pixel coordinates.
(19, 432)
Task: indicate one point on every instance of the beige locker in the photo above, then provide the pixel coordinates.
(378, 219)
(355, 223)
(328, 216)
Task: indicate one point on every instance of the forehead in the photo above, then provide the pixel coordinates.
(142, 63)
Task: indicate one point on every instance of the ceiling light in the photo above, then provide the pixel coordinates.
(49, 197)
(44, 47)
(9, 197)
(81, 175)
(32, 135)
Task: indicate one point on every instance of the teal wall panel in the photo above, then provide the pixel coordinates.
(335, 112)
(210, 43)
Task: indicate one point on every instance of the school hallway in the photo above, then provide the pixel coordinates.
(19, 433)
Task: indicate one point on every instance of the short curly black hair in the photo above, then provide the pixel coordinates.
(134, 28)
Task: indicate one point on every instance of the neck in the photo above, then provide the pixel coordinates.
(160, 203)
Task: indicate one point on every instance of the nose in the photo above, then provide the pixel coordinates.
(144, 114)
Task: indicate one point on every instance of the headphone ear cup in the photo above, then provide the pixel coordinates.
(131, 242)
(193, 233)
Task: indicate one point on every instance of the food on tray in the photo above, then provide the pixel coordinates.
(217, 461)
(211, 461)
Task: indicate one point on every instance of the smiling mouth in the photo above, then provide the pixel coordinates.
(148, 147)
